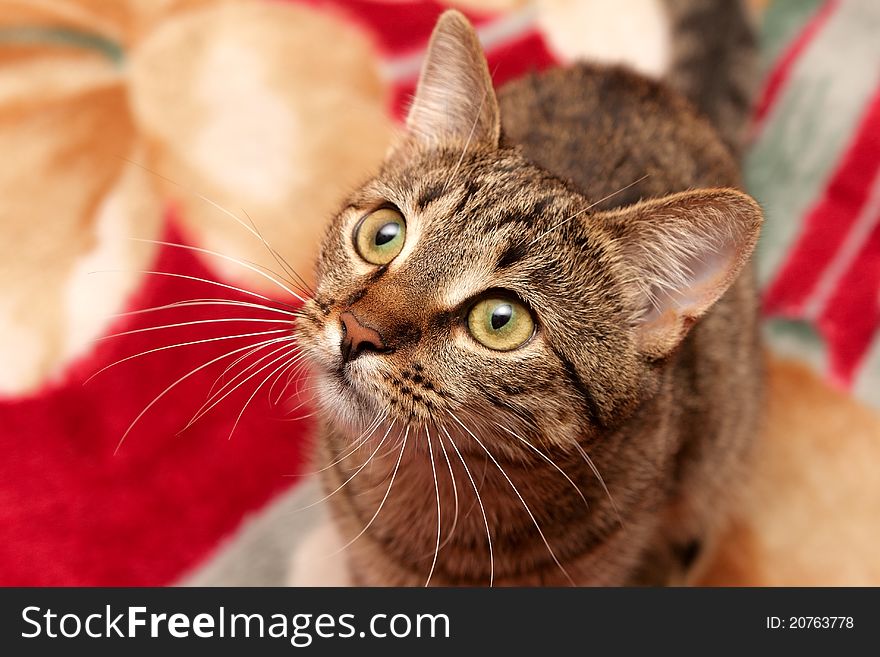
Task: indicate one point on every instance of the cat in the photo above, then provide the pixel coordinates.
(534, 334)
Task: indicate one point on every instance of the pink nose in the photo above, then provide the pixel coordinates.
(357, 338)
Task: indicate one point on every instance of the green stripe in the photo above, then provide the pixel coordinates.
(59, 36)
(780, 24)
(811, 126)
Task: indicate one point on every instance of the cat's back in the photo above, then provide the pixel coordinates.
(604, 128)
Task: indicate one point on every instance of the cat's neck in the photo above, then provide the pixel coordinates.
(548, 523)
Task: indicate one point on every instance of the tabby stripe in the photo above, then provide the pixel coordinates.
(430, 194)
(470, 190)
(511, 255)
(593, 411)
(521, 413)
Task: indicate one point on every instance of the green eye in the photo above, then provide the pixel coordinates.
(500, 323)
(379, 236)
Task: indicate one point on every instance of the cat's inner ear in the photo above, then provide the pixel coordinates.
(682, 252)
(454, 99)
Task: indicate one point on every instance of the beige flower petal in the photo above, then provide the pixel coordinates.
(63, 159)
(269, 108)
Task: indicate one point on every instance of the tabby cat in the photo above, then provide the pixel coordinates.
(534, 331)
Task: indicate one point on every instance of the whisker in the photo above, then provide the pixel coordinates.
(246, 264)
(253, 230)
(256, 390)
(454, 491)
(280, 259)
(437, 493)
(601, 480)
(384, 498)
(467, 143)
(356, 444)
(546, 458)
(517, 493)
(230, 386)
(238, 360)
(192, 323)
(589, 207)
(217, 395)
(171, 387)
(363, 465)
(150, 272)
(292, 373)
(480, 502)
(299, 418)
(191, 303)
(185, 344)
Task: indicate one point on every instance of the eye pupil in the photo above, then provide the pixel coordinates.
(501, 316)
(387, 233)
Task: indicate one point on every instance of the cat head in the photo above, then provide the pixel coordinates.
(466, 289)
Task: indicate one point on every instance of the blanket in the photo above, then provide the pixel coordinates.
(153, 148)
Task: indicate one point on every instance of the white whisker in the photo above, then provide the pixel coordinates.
(517, 493)
(546, 458)
(384, 498)
(150, 272)
(193, 323)
(256, 390)
(467, 143)
(171, 387)
(375, 425)
(437, 493)
(185, 344)
(230, 386)
(601, 480)
(454, 491)
(589, 207)
(480, 502)
(253, 230)
(246, 264)
(192, 303)
(286, 266)
(238, 360)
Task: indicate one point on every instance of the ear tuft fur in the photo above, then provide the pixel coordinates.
(683, 252)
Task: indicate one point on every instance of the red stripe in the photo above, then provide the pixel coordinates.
(828, 222)
(852, 315)
(507, 61)
(784, 65)
(396, 27)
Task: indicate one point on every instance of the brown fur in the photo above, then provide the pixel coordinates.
(622, 427)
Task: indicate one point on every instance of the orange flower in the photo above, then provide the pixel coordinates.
(267, 108)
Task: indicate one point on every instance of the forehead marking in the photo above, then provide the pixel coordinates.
(463, 285)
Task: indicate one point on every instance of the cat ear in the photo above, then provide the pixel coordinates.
(683, 252)
(454, 99)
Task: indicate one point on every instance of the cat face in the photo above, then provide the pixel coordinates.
(467, 290)
(448, 294)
